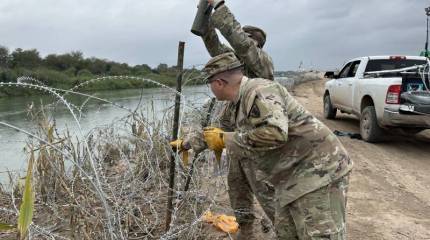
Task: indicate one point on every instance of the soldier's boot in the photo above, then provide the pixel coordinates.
(247, 231)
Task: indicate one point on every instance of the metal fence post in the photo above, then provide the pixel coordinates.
(171, 192)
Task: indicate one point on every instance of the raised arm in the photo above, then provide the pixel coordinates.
(257, 60)
(213, 44)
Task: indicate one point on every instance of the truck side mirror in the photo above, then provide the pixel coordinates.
(330, 75)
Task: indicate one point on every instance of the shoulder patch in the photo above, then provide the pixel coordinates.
(255, 112)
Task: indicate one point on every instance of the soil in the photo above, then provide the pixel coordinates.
(389, 194)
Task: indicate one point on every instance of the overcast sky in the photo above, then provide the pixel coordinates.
(321, 33)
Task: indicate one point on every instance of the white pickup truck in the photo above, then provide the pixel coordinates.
(384, 92)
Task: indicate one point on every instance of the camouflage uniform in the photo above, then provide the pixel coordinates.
(257, 63)
(316, 215)
(280, 144)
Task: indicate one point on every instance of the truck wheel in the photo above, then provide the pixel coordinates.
(369, 128)
(329, 110)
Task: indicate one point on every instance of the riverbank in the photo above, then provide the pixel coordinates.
(65, 71)
(90, 83)
(100, 83)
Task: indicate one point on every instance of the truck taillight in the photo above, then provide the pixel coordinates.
(393, 94)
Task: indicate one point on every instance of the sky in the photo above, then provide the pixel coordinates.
(322, 34)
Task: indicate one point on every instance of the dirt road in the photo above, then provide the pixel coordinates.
(389, 195)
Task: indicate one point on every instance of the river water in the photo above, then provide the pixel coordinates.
(94, 114)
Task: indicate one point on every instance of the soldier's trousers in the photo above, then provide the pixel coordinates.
(241, 192)
(316, 215)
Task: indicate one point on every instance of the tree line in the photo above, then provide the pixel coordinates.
(69, 69)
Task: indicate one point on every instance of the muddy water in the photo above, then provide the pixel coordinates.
(12, 111)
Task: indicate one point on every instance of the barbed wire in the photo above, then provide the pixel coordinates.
(115, 186)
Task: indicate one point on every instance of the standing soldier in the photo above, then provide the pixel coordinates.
(280, 144)
(247, 43)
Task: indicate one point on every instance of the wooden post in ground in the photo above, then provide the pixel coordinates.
(171, 190)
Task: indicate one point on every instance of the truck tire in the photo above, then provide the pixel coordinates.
(329, 110)
(369, 128)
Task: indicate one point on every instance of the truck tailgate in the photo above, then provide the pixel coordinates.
(415, 97)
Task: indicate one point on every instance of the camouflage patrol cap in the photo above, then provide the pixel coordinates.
(253, 32)
(221, 63)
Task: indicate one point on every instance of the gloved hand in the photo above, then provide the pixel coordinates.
(214, 138)
(179, 145)
(216, 3)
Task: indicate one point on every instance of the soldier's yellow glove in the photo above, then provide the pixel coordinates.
(214, 138)
(178, 145)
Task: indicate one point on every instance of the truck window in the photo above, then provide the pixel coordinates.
(354, 68)
(345, 71)
(390, 64)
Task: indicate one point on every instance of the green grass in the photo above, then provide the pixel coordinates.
(67, 80)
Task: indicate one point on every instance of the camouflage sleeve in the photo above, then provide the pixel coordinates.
(269, 119)
(212, 43)
(245, 48)
(225, 117)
